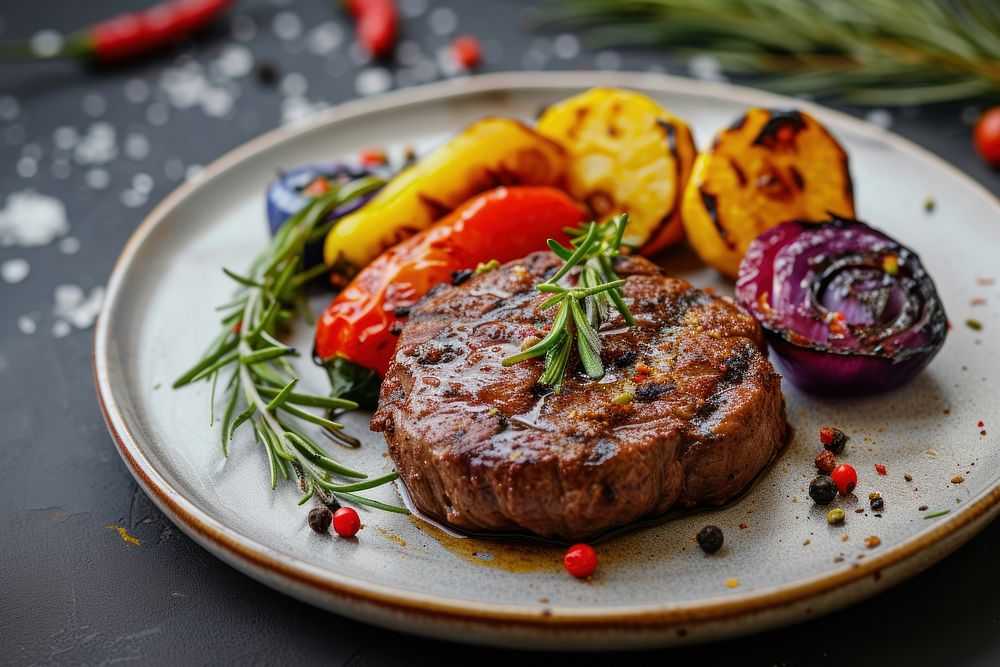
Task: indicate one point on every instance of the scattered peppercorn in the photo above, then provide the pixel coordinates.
(881, 469)
(826, 462)
(459, 277)
(320, 519)
(710, 539)
(908, 477)
(975, 325)
(580, 560)
(402, 311)
(877, 504)
(871, 541)
(267, 73)
(822, 490)
(957, 479)
(845, 477)
(922, 508)
(833, 439)
(346, 522)
(486, 267)
(835, 516)
(929, 204)
(623, 398)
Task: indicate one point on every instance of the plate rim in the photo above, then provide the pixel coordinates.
(265, 562)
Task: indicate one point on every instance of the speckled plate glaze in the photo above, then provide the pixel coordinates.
(781, 561)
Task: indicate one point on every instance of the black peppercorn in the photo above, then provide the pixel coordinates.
(267, 73)
(320, 519)
(710, 539)
(877, 504)
(833, 439)
(402, 311)
(822, 490)
(459, 277)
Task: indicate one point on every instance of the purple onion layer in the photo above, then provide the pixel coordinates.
(285, 198)
(847, 309)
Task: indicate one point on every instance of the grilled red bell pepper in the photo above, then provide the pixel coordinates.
(502, 224)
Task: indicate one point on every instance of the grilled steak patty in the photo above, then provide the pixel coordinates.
(485, 448)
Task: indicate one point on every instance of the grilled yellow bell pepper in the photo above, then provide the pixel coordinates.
(488, 153)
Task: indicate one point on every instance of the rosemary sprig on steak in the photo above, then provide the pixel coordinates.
(584, 306)
(261, 388)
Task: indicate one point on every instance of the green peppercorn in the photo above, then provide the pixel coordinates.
(623, 398)
(835, 516)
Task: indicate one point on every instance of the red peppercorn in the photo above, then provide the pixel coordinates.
(467, 51)
(845, 477)
(826, 462)
(372, 157)
(880, 468)
(317, 187)
(580, 560)
(346, 522)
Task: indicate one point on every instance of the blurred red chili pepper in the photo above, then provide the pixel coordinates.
(376, 24)
(127, 35)
(131, 34)
(502, 224)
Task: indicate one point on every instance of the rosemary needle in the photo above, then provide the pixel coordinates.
(582, 307)
(261, 391)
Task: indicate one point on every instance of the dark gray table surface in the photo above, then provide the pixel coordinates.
(72, 591)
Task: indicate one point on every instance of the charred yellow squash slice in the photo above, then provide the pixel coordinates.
(767, 168)
(626, 154)
(489, 153)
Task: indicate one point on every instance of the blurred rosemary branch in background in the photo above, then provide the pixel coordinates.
(875, 52)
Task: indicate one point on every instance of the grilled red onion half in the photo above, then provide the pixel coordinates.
(288, 193)
(847, 309)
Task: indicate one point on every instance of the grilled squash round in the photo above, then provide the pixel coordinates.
(626, 154)
(767, 168)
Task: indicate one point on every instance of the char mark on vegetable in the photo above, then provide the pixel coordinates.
(711, 207)
(740, 174)
(772, 133)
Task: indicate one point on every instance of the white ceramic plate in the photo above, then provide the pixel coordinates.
(654, 586)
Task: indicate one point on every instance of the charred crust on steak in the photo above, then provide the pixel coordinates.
(650, 391)
(485, 448)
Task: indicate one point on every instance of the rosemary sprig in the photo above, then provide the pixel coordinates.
(583, 307)
(878, 52)
(261, 388)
